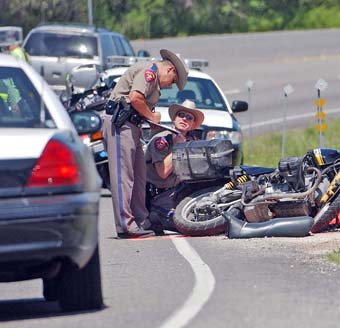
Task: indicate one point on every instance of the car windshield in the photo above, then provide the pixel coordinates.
(202, 91)
(20, 103)
(62, 45)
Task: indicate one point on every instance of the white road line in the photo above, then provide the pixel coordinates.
(203, 288)
(289, 118)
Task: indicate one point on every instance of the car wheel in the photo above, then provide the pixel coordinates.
(50, 289)
(81, 289)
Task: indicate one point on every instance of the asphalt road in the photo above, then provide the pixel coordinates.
(172, 281)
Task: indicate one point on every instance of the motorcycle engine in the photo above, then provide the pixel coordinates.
(259, 209)
(259, 212)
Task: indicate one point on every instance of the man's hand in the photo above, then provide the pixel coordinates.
(137, 101)
(156, 117)
(179, 138)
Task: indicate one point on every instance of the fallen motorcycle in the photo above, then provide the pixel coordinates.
(300, 196)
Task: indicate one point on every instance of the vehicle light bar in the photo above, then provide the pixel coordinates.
(196, 63)
(125, 60)
(115, 61)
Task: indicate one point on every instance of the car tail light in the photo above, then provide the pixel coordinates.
(56, 166)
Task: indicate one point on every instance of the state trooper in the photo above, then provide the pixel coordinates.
(161, 178)
(138, 89)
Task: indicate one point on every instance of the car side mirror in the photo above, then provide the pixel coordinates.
(239, 106)
(143, 53)
(86, 122)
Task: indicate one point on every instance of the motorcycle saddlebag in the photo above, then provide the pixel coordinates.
(201, 159)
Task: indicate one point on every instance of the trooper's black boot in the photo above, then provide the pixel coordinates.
(136, 233)
(156, 224)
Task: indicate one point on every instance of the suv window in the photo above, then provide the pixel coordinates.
(123, 46)
(61, 45)
(128, 51)
(20, 103)
(107, 45)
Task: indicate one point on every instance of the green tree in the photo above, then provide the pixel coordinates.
(161, 18)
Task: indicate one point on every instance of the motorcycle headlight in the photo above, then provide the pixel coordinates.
(234, 136)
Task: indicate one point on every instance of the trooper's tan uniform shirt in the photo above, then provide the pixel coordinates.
(140, 77)
(161, 206)
(158, 148)
(126, 157)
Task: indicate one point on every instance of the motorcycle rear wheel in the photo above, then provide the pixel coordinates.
(187, 224)
(327, 213)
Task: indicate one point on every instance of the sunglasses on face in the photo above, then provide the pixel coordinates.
(174, 80)
(187, 116)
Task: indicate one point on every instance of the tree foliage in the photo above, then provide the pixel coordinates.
(160, 18)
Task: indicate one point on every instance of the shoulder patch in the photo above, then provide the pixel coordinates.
(149, 75)
(161, 144)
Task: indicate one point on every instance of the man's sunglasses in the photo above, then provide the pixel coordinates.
(187, 116)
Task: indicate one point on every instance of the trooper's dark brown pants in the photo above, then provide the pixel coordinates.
(127, 175)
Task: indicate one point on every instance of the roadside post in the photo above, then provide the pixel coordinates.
(320, 115)
(287, 90)
(249, 85)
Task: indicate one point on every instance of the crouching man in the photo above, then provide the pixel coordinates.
(161, 178)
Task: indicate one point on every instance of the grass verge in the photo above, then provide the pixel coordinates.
(266, 150)
(334, 257)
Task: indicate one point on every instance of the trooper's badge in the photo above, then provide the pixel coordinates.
(161, 144)
(149, 75)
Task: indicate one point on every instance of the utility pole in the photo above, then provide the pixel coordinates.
(89, 12)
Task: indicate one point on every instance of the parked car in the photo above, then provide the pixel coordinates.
(49, 191)
(220, 121)
(55, 49)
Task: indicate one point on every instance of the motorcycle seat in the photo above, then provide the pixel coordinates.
(257, 170)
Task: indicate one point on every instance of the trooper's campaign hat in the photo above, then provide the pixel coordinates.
(187, 106)
(181, 67)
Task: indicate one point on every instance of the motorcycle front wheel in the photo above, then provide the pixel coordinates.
(204, 221)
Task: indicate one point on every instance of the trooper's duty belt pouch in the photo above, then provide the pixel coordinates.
(121, 112)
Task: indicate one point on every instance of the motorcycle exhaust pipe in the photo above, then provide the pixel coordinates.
(298, 226)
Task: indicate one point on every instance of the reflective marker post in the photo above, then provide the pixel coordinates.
(287, 90)
(249, 85)
(320, 85)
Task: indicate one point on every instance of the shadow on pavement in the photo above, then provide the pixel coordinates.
(32, 308)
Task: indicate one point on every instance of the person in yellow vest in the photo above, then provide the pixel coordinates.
(19, 52)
